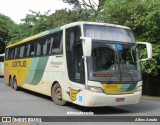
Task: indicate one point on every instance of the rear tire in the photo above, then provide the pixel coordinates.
(10, 82)
(57, 95)
(16, 88)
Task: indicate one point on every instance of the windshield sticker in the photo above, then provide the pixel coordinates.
(119, 47)
(113, 46)
(80, 98)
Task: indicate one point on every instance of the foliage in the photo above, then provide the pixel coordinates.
(32, 24)
(36, 22)
(61, 17)
(143, 17)
(83, 4)
(5, 25)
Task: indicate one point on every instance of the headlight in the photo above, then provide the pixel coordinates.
(94, 89)
(139, 88)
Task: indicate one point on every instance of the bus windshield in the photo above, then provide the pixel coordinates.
(108, 33)
(114, 62)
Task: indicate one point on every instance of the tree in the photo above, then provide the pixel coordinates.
(5, 25)
(64, 16)
(32, 24)
(94, 5)
(143, 17)
(36, 22)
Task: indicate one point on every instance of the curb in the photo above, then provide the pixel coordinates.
(150, 98)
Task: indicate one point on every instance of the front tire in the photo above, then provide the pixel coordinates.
(57, 95)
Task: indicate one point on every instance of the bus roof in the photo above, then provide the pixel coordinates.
(94, 23)
(35, 36)
(60, 28)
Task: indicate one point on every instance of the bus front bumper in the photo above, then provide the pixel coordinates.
(93, 99)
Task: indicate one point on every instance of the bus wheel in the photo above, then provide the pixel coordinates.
(10, 82)
(57, 95)
(15, 84)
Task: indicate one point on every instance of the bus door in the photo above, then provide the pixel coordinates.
(74, 53)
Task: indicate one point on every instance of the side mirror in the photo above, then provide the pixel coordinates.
(149, 50)
(87, 46)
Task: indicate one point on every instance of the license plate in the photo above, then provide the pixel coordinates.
(120, 99)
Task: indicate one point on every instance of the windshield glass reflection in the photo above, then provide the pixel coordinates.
(114, 62)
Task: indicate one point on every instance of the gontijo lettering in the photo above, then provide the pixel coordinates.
(19, 63)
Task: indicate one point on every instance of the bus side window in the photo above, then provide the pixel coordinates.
(51, 44)
(22, 51)
(9, 53)
(28, 48)
(46, 45)
(32, 50)
(56, 43)
(39, 48)
(16, 54)
(12, 53)
(6, 54)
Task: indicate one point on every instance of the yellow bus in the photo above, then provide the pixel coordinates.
(86, 63)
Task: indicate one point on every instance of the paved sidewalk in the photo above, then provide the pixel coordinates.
(144, 97)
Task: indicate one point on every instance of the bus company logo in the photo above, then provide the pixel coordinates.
(55, 64)
(19, 63)
(111, 86)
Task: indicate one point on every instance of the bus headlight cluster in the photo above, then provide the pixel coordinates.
(94, 89)
(139, 88)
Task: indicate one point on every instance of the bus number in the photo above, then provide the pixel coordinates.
(73, 94)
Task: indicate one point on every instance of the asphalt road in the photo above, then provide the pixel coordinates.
(26, 103)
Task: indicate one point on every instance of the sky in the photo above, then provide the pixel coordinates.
(17, 9)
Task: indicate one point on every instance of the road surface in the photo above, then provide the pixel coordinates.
(26, 103)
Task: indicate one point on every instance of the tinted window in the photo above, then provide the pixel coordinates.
(6, 53)
(74, 55)
(56, 43)
(46, 46)
(12, 53)
(22, 51)
(16, 55)
(39, 48)
(51, 44)
(30, 49)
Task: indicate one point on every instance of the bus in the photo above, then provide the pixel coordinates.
(86, 63)
(2, 64)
